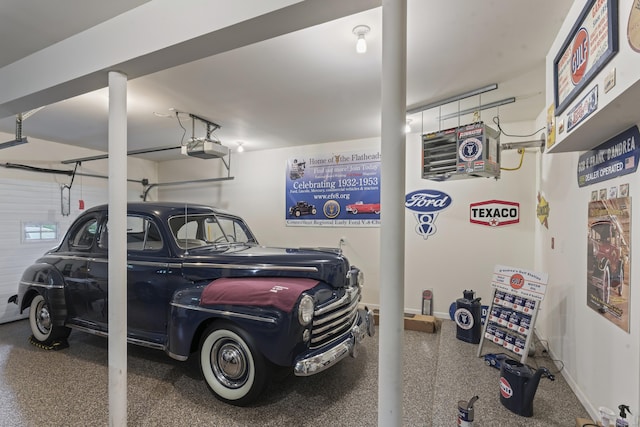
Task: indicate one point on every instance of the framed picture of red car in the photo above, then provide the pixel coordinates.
(609, 259)
(590, 45)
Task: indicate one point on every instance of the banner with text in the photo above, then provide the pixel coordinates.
(334, 189)
(616, 157)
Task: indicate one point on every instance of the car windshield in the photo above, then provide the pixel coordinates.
(194, 231)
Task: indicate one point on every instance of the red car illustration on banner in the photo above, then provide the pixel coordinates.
(361, 207)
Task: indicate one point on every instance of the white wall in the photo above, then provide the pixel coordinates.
(601, 361)
(462, 255)
(35, 196)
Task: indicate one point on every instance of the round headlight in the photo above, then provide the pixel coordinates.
(305, 310)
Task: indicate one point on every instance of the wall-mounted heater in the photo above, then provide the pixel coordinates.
(468, 151)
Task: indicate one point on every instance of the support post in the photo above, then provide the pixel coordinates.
(394, 56)
(117, 249)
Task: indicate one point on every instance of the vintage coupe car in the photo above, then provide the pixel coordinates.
(302, 208)
(606, 257)
(361, 207)
(197, 281)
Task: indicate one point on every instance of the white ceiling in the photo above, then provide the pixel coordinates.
(305, 87)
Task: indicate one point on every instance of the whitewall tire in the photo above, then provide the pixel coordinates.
(42, 327)
(234, 370)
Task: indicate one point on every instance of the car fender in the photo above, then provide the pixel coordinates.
(46, 280)
(276, 332)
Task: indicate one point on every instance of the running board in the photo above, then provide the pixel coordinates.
(103, 334)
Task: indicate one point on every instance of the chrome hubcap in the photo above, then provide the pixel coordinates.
(229, 364)
(43, 318)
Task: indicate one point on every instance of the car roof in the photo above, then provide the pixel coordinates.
(165, 209)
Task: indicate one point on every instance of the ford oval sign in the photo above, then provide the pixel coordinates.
(426, 204)
(427, 201)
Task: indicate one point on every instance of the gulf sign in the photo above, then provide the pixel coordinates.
(505, 388)
(494, 213)
(516, 281)
(579, 56)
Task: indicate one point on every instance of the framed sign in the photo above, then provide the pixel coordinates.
(591, 44)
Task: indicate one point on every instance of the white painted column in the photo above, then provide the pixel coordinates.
(117, 249)
(394, 82)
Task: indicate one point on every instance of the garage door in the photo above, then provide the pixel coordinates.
(31, 222)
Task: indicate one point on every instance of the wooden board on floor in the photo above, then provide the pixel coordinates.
(416, 322)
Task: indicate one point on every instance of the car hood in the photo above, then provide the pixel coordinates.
(324, 264)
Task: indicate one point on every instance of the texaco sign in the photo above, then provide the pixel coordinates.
(494, 213)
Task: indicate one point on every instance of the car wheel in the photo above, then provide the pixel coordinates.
(376, 212)
(354, 211)
(297, 213)
(313, 211)
(42, 327)
(606, 284)
(234, 370)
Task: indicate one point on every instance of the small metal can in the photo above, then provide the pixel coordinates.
(465, 412)
(465, 415)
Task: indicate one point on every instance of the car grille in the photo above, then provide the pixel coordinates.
(331, 321)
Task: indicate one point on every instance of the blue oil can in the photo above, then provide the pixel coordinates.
(468, 316)
(518, 385)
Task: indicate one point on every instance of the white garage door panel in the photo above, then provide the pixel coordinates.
(23, 201)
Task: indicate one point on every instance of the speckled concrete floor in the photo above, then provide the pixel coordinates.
(69, 388)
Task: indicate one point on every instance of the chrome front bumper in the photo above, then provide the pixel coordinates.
(318, 362)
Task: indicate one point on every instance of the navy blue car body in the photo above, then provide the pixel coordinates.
(198, 282)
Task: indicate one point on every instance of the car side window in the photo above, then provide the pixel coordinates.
(232, 230)
(187, 230)
(85, 234)
(187, 234)
(103, 240)
(200, 230)
(142, 234)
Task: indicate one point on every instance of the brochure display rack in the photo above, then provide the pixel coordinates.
(511, 317)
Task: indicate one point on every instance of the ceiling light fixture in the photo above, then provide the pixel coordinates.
(361, 43)
(240, 147)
